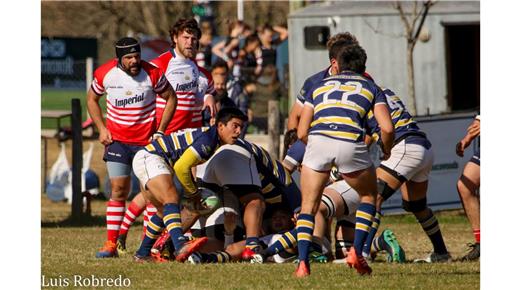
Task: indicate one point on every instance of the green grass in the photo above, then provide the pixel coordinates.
(60, 100)
(68, 249)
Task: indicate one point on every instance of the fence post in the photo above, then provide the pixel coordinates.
(273, 128)
(77, 158)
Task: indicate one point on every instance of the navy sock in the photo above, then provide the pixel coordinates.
(372, 234)
(304, 228)
(172, 221)
(364, 215)
(431, 227)
(285, 242)
(153, 231)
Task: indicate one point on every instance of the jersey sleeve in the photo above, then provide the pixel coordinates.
(379, 96)
(295, 153)
(308, 96)
(99, 75)
(300, 97)
(211, 87)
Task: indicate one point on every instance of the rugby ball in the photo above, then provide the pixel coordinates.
(208, 203)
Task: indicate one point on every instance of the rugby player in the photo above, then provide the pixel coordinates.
(131, 85)
(408, 168)
(332, 124)
(176, 154)
(468, 185)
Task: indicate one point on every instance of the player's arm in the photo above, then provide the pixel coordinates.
(169, 110)
(294, 116)
(472, 133)
(383, 118)
(305, 122)
(94, 110)
(190, 158)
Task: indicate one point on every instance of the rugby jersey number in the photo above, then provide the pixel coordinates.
(338, 87)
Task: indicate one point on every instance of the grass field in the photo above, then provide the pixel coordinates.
(68, 249)
(60, 100)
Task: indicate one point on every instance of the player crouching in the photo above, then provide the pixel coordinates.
(176, 154)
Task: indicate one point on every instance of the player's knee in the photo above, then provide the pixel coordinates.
(327, 207)
(256, 203)
(415, 206)
(384, 189)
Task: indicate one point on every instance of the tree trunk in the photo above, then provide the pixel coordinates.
(410, 104)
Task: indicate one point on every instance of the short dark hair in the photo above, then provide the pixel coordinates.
(289, 138)
(189, 25)
(337, 42)
(220, 63)
(342, 36)
(251, 38)
(226, 114)
(352, 57)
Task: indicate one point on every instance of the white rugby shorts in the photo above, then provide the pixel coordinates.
(412, 161)
(323, 152)
(231, 165)
(350, 197)
(147, 166)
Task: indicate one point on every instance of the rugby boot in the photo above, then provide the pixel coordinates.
(188, 248)
(153, 258)
(395, 252)
(358, 262)
(473, 254)
(121, 246)
(303, 270)
(109, 250)
(435, 258)
(248, 253)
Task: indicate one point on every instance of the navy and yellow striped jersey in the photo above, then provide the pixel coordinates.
(403, 122)
(341, 104)
(273, 176)
(184, 149)
(310, 82)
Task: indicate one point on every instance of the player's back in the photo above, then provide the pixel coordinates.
(341, 104)
(403, 122)
(172, 146)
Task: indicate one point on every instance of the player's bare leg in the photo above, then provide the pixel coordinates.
(164, 196)
(467, 187)
(312, 184)
(253, 214)
(387, 185)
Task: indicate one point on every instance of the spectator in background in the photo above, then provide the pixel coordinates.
(241, 92)
(203, 57)
(228, 48)
(219, 73)
(248, 57)
(269, 42)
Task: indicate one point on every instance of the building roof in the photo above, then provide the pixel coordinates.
(358, 8)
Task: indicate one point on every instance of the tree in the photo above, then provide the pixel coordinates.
(413, 22)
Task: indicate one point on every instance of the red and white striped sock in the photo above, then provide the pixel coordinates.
(148, 214)
(115, 214)
(132, 212)
(476, 233)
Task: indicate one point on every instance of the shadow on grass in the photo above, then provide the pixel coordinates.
(73, 221)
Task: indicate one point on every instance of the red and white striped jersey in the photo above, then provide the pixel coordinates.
(130, 100)
(191, 83)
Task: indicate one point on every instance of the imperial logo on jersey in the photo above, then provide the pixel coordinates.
(130, 100)
(191, 83)
(341, 104)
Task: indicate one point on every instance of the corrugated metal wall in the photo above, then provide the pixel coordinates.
(386, 54)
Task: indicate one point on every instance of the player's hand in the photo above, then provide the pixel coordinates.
(157, 135)
(230, 223)
(209, 102)
(105, 137)
(459, 148)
